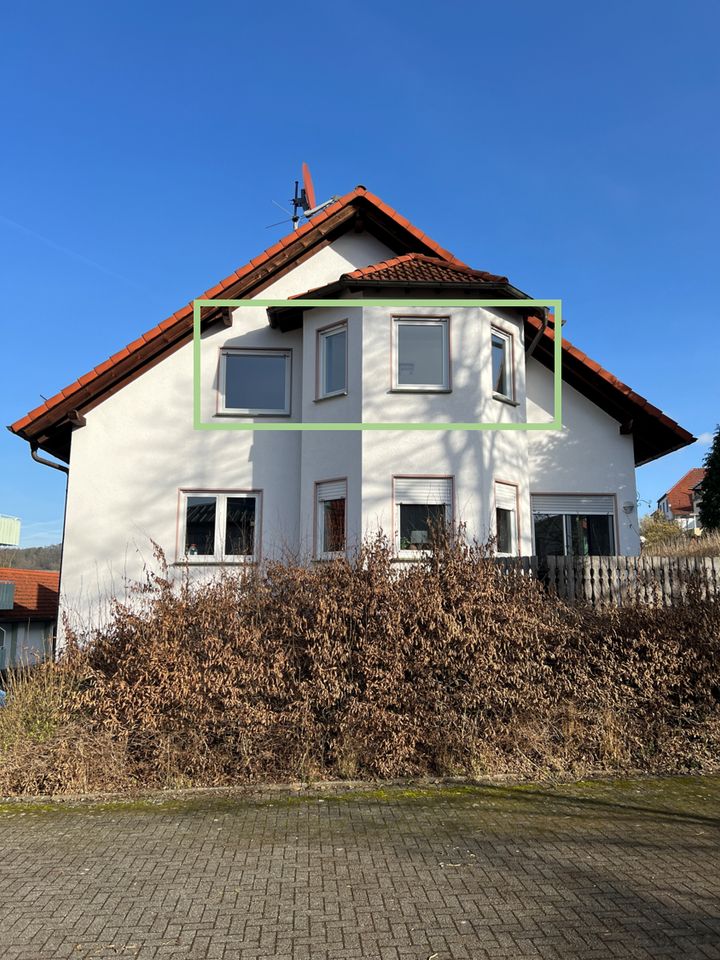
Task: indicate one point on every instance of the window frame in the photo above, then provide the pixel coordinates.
(397, 504)
(226, 352)
(515, 512)
(218, 557)
(318, 529)
(509, 363)
(416, 321)
(322, 336)
(613, 516)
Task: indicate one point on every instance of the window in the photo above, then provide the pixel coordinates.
(255, 382)
(422, 355)
(220, 527)
(423, 507)
(573, 525)
(330, 536)
(332, 355)
(506, 525)
(502, 373)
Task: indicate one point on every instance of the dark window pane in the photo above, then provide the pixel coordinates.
(240, 528)
(499, 366)
(504, 524)
(334, 360)
(591, 536)
(255, 382)
(549, 535)
(333, 525)
(421, 352)
(200, 527)
(418, 523)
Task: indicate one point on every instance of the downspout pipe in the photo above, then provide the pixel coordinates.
(66, 470)
(538, 335)
(47, 463)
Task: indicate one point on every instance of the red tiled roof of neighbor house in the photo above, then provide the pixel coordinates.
(680, 495)
(36, 594)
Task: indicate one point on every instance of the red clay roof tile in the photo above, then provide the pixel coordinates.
(680, 495)
(36, 594)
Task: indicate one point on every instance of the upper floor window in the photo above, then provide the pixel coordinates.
(330, 536)
(421, 353)
(423, 508)
(220, 527)
(502, 372)
(255, 382)
(332, 360)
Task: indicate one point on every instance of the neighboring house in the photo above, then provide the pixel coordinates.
(139, 471)
(28, 615)
(682, 501)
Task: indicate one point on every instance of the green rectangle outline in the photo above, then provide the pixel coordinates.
(554, 424)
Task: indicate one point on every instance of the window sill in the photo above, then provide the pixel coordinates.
(420, 390)
(234, 415)
(503, 399)
(331, 396)
(214, 563)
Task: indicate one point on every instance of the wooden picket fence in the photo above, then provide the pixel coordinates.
(619, 580)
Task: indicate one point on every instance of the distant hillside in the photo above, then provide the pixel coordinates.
(31, 558)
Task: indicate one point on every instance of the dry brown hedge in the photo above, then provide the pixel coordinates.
(359, 669)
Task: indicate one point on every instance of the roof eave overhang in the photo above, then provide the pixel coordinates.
(288, 318)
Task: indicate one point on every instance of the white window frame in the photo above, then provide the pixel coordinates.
(221, 498)
(443, 387)
(323, 336)
(321, 554)
(226, 352)
(501, 503)
(398, 502)
(508, 355)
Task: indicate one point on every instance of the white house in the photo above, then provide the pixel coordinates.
(139, 471)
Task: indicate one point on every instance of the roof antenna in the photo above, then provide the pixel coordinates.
(304, 203)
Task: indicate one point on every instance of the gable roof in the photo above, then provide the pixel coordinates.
(36, 594)
(420, 262)
(49, 425)
(680, 495)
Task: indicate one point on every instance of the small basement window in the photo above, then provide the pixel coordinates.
(421, 354)
(220, 527)
(332, 356)
(423, 508)
(331, 514)
(502, 372)
(255, 382)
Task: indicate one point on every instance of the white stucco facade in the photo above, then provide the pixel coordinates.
(138, 455)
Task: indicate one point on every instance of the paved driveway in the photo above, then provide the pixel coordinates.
(626, 870)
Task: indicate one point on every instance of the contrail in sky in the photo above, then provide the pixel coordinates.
(69, 253)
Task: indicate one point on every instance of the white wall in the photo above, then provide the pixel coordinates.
(139, 448)
(590, 455)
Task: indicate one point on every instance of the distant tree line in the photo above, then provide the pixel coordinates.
(31, 558)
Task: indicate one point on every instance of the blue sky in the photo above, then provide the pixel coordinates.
(572, 147)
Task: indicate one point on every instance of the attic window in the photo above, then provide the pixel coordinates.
(255, 382)
(422, 354)
(502, 372)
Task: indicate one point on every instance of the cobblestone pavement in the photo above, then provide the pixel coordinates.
(594, 870)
